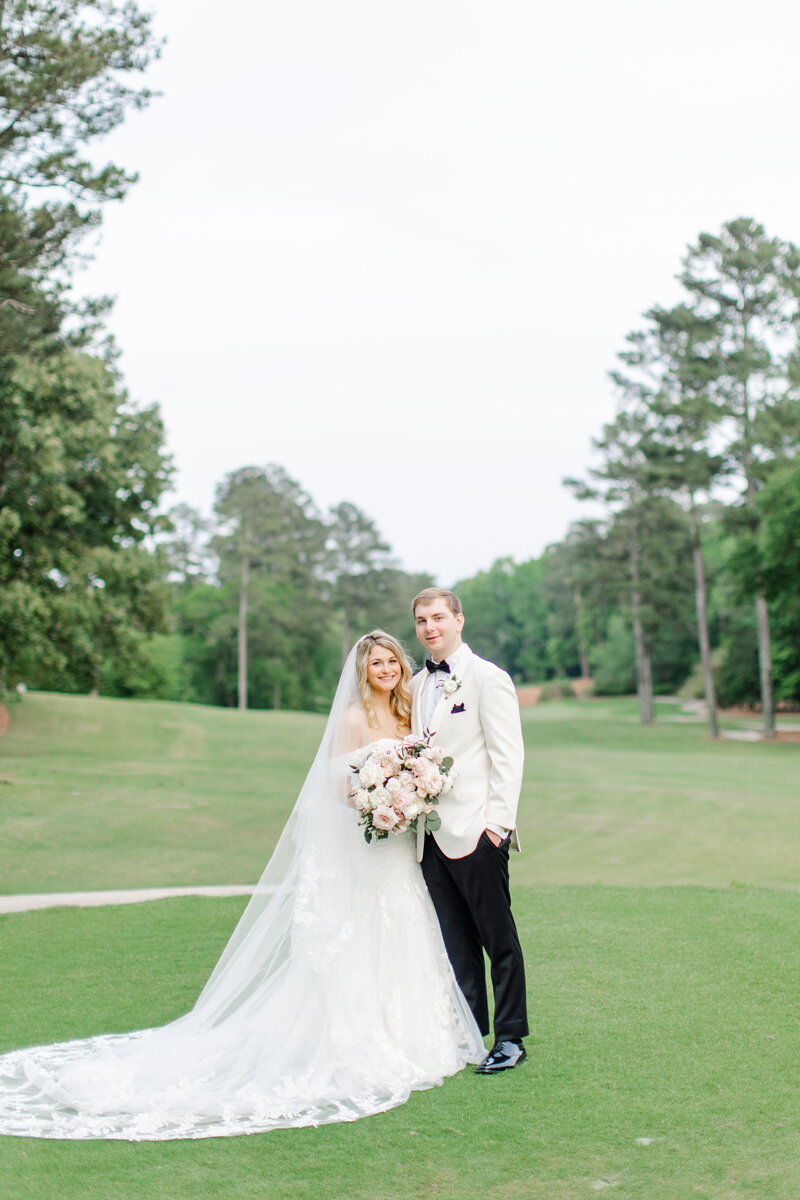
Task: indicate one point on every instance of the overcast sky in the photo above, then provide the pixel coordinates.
(395, 248)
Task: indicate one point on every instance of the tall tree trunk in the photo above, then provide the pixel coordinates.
(644, 679)
(647, 712)
(701, 606)
(580, 624)
(765, 665)
(244, 582)
(345, 634)
(762, 616)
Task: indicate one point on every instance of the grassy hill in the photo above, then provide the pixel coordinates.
(112, 793)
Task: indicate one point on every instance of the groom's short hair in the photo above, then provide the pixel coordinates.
(428, 595)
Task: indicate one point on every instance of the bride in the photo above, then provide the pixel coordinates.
(333, 999)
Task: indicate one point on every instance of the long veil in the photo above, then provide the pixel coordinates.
(333, 998)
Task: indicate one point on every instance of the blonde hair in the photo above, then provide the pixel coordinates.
(428, 595)
(400, 698)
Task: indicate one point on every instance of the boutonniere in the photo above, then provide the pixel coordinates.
(451, 685)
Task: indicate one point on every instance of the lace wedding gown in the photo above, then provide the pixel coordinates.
(334, 999)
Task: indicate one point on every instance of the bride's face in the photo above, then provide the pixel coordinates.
(383, 670)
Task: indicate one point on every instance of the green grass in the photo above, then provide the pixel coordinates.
(608, 801)
(669, 1014)
(659, 1012)
(111, 793)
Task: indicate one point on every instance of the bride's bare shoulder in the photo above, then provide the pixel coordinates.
(356, 728)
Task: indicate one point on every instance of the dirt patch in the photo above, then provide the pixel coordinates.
(581, 686)
(528, 696)
(4, 719)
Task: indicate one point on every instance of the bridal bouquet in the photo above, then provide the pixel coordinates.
(396, 788)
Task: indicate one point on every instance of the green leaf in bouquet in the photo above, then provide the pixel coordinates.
(432, 822)
(446, 763)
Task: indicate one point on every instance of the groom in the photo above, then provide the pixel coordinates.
(471, 707)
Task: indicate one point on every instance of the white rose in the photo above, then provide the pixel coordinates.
(393, 786)
(369, 775)
(381, 796)
(360, 799)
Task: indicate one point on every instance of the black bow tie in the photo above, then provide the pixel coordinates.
(444, 665)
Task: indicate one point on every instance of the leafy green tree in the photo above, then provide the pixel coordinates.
(82, 471)
(186, 545)
(491, 629)
(63, 84)
(358, 554)
(669, 368)
(65, 72)
(771, 559)
(614, 659)
(506, 617)
(273, 546)
(385, 595)
(32, 307)
(747, 286)
(645, 542)
(572, 623)
(269, 585)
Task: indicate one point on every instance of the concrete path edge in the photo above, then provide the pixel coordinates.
(23, 903)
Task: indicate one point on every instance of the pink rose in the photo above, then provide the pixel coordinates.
(430, 780)
(384, 817)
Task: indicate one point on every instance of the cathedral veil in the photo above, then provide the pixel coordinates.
(303, 883)
(333, 999)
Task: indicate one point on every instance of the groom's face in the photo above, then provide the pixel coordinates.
(438, 629)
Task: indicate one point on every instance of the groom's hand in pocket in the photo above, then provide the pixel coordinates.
(493, 837)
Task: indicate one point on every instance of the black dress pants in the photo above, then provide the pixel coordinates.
(472, 899)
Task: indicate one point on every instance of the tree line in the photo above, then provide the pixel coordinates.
(689, 564)
(684, 573)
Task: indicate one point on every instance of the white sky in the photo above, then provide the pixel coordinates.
(395, 248)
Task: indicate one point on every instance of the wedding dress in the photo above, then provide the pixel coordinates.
(334, 998)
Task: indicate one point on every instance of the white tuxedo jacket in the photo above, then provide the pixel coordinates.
(479, 726)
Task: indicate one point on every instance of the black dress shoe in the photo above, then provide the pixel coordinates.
(502, 1057)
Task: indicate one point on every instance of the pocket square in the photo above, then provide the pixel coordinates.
(457, 708)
